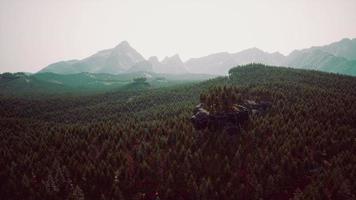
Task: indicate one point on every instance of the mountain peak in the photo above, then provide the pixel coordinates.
(123, 44)
(116, 60)
(253, 49)
(153, 59)
(345, 40)
(174, 58)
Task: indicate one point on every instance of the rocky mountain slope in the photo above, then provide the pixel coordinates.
(121, 59)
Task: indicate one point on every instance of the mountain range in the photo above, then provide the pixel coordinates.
(120, 59)
(337, 57)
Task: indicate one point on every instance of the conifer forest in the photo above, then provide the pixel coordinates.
(139, 143)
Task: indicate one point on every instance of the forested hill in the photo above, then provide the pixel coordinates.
(84, 84)
(139, 144)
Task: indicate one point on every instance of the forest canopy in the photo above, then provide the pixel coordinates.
(139, 144)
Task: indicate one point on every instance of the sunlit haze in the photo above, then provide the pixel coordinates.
(35, 33)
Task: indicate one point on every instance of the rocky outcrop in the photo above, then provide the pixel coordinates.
(230, 121)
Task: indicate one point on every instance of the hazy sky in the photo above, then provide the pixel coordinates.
(35, 33)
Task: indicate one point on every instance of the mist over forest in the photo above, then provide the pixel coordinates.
(170, 100)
